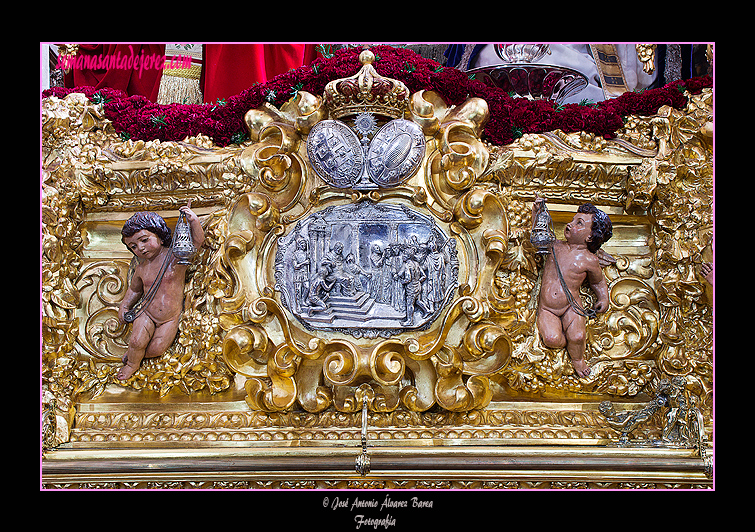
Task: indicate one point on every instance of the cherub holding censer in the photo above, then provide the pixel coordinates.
(154, 297)
(561, 319)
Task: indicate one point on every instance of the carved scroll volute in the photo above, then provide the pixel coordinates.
(245, 225)
(478, 205)
(305, 110)
(246, 350)
(258, 119)
(428, 109)
(487, 349)
(281, 394)
(420, 395)
(451, 392)
(272, 159)
(387, 365)
(254, 211)
(301, 112)
(463, 157)
(341, 363)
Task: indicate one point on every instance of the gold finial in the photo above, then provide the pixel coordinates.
(366, 57)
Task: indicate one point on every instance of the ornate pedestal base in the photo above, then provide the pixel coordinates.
(456, 465)
(123, 440)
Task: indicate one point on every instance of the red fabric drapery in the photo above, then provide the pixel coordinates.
(139, 80)
(232, 68)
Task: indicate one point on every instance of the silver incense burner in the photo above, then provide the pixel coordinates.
(542, 235)
(183, 244)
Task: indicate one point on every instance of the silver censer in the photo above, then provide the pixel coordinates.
(543, 236)
(183, 245)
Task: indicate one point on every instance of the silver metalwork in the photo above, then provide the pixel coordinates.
(365, 124)
(363, 460)
(335, 153)
(349, 158)
(395, 152)
(368, 269)
(542, 235)
(521, 53)
(683, 425)
(533, 81)
(183, 244)
(521, 75)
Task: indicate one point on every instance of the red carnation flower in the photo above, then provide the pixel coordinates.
(509, 117)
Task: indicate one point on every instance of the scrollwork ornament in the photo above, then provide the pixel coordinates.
(682, 215)
(461, 158)
(458, 219)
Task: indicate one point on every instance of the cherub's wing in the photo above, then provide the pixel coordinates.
(131, 270)
(604, 259)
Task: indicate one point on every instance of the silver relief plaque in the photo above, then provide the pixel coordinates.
(395, 152)
(335, 153)
(367, 269)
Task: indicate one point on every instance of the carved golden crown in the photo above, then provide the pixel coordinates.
(366, 92)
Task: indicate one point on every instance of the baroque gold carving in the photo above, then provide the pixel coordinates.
(259, 426)
(657, 174)
(646, 55)
(302, 367)
(683, 238)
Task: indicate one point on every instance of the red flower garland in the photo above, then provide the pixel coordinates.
(136, 117)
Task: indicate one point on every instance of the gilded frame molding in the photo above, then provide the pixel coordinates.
(655, 180)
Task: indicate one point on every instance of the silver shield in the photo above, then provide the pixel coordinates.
(395, 152)
(335, 153)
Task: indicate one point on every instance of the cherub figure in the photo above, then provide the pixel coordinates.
(158, 274)
(560, 319)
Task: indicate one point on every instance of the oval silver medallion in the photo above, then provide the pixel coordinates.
(367, 269)
(395, 152)
(335, 153)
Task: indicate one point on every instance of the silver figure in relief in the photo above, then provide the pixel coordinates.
(368, 269)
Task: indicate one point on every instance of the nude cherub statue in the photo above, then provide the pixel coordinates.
(147, 236)
(560, 319)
